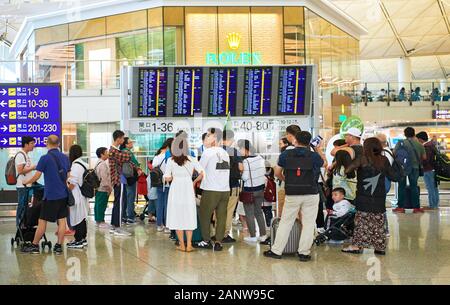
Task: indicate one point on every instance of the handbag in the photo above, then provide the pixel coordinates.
(247, 197)
(70, 198)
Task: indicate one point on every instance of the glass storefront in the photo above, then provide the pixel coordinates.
(88, 54)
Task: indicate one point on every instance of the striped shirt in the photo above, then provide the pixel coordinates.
(257, 167)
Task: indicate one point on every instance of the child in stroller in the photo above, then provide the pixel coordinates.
(339, 221)
(29, 220)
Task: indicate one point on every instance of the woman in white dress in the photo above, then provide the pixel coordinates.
(181, 206)
(79, 211)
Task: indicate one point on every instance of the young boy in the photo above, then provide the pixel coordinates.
(341, 206)
(105, 189)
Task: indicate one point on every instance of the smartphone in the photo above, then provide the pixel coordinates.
(316, 141)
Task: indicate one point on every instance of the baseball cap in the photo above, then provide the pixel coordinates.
(354, 132)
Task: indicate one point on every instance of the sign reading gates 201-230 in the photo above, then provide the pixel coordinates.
(28, 109)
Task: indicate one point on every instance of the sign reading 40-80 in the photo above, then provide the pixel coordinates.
(29, 110)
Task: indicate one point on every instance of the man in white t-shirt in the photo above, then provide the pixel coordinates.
(216, 189)
(24, 171)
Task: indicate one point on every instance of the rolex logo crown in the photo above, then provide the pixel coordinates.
(233, 40)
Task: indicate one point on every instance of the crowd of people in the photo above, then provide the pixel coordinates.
(197, 197)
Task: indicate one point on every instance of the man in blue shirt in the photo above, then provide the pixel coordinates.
(56, 167)
(300, 169)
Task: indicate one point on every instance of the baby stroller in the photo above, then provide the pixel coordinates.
(339, 228)
(29, 220)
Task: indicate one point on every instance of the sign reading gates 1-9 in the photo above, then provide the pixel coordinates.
(29, 110)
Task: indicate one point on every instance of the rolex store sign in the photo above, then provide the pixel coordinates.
(233, 56)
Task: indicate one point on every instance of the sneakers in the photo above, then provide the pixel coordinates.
(419, 210)
(166, 231)
(263, 238)
(57, 249)
(75, 245)
(304, 258)
(398, 210)
(228, 239)
(204, 245)
(120, 232)
(159, 228)
(270, 254)
(131, 221)
(31, 248)
(218, 247)
(103, 225)
(251, 239)
(85, 243)
(266, 242)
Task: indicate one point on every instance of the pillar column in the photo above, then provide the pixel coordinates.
(404, 73)
(443, 85)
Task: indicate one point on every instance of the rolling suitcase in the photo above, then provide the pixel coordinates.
(294, 237)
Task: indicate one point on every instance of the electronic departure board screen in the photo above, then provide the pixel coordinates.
(222, 91)
(188, 91)
(152, 92)
(291, 90)
(29, 110)
(257, 91)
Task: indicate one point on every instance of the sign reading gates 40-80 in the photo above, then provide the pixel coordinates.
(28, 109)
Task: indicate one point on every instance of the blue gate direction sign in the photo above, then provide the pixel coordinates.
(28, 109)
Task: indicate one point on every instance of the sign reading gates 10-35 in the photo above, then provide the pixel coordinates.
(29, 110)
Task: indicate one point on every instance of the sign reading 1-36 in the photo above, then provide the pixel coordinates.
(29, 110)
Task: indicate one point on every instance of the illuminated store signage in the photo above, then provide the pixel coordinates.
(233, 57)
(441, 114)
(29, 110)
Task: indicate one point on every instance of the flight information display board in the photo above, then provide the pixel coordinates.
(188, 91)
(291, 90)
(29, 110)
(152, 92)
(257, 91)
(222, 91)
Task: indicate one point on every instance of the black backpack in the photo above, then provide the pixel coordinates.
(91, 182)
(235, 173)
(300, 178)
(397, 168)
(442, 167)
(156, 175)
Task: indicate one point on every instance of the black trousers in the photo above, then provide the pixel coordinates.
(115, 217)
(320, 220)
(80, 230)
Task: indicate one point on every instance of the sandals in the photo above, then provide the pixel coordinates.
(352, 251)
(182, 249)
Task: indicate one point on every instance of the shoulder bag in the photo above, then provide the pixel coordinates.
(244, 196)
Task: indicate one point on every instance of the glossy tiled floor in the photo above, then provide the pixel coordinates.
(418, 253)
